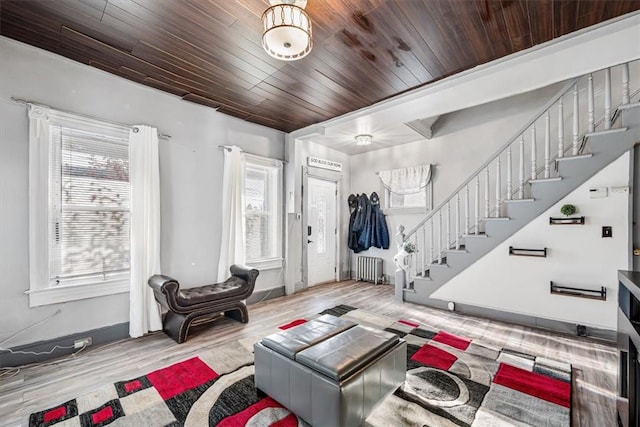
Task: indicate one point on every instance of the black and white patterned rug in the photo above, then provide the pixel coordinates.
(451, 381)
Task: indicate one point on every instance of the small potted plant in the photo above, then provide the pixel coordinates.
(409, 247)
(568, 210)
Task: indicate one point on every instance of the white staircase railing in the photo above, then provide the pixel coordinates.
(493, 184)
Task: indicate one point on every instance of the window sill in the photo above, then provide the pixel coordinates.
(405, 211)
(60, 294)
(266, 264)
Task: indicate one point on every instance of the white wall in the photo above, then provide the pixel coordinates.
(577, 256)
(190, 169)
(462, 142)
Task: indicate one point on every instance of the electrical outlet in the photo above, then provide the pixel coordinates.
(83, 342)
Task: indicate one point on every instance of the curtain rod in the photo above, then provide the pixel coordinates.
(228, 148)
(135, 129)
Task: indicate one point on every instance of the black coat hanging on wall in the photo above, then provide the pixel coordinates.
(367, 223)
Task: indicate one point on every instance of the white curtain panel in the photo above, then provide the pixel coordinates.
(232, 249)
(406, 180)
(144, 175)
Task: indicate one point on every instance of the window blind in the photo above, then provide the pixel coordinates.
(258, 227)
(89, 203)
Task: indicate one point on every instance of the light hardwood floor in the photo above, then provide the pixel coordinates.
(39, 387)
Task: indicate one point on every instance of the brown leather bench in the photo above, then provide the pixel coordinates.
(186, 307)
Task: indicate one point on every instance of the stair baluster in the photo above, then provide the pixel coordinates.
(607, 98)
(414, 266)
(486, 192)
(423, 255)
(547, 145)
(592, 125)
(534, 153)
(626, 98)
(560, 129)
(509, 174)
(440, 236)
(431, 241)
(448, 241)
(576, 122)
(457, 221)
(498, 187)
(467, 230)
(477, 203)
(521, 180)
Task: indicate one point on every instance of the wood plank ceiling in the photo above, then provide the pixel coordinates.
(209, 51)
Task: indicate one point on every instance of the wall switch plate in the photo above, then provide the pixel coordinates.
(619, 190)
(607, 231)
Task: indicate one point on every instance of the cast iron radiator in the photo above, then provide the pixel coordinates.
(369, 269)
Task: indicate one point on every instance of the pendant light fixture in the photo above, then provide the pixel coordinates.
(287, 30)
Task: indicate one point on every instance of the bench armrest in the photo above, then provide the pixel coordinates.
(245, 273)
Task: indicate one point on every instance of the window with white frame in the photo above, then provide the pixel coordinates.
(79, 210)
(414, 200)
(263, 207)
(407, 189)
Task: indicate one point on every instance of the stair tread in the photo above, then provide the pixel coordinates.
(439, 265)
(555, 179)
(629, 106)
(519, 200)
(475, 235)
(606, 131)
(493, 218)
(577, 157)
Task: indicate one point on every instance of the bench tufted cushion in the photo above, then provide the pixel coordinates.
(218, 291)
(291, 341)
(341, 355)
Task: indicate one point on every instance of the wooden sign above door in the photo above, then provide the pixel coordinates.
(324, 164)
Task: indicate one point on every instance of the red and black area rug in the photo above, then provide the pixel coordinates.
(451, 381)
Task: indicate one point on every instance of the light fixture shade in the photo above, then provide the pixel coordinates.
(363, 139)
(286, 32)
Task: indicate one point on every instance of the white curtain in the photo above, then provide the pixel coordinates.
(232, 250)
(406, 180)
(144, 175)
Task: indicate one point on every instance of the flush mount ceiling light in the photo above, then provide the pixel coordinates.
(363, 139)
(287, 30)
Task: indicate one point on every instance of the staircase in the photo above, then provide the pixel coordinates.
(557, 151)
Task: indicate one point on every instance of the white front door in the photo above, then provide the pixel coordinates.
(321, 231)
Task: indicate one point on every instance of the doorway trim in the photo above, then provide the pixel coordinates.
(325, 175)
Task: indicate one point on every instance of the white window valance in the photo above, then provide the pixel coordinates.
(409, 180)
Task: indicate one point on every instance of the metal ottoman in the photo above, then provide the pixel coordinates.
(329, 371)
